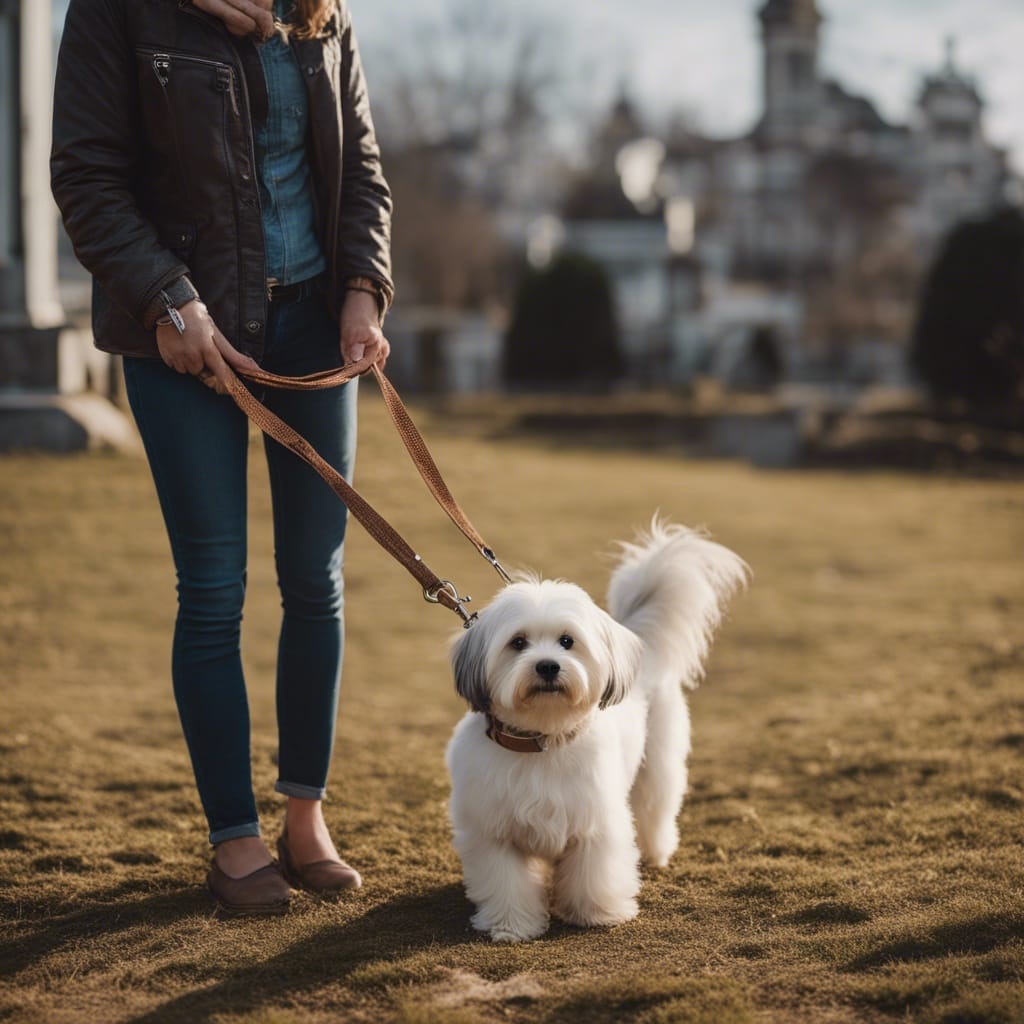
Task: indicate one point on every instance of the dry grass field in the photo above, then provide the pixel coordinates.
(852, 842)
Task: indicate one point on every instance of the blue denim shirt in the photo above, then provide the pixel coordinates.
(292, 251)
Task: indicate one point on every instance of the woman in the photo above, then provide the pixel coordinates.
(218, 188)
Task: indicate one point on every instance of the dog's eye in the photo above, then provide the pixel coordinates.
(565, 640)
(518, 643)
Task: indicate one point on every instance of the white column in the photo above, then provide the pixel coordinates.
(43, 364)
(39, 212)
(10, 291)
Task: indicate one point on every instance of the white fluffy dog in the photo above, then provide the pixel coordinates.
(578, 729)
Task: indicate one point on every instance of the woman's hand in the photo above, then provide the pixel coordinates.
(361, 335)
(242, 17)
(202, 350)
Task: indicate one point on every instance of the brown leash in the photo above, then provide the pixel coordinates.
(435, 589)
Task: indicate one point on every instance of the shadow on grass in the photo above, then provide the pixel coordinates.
(105, 916)
(974, 935)
(829, 912)
(386, 932)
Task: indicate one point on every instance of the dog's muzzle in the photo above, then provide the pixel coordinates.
(548, 672)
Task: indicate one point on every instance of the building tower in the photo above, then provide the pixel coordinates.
(792, 86)
(962, 175)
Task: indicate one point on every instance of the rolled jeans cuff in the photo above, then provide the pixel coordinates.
(299, 790)
(252, 828)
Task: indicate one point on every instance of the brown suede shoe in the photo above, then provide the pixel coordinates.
(262, 892)
(322, 876)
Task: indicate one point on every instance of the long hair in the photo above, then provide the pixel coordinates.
(308, 18)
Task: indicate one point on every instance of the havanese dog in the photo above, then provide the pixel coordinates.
(571, 765)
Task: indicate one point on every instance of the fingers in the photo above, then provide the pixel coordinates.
(242, 17)
(383, 351)
(222, 359)
(235, 359)
(261, 13)
(237, 24)
(371, 345)
(217, 363)
(202, 350)
(378, 350)
(209, 378)
(176, 352)
(215, 374)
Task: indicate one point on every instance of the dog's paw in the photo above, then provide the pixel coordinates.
(659, 856)
(657, 847)
(513, 929)
(506, 935)
(593, 915)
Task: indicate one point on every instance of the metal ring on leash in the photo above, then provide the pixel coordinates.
(432, 596)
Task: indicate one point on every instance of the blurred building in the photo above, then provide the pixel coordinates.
(822, 158)
(809, 226)
(958, 173)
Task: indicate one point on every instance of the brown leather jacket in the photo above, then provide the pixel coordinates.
(153, 165)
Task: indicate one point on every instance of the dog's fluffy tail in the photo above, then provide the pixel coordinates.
(670, 587)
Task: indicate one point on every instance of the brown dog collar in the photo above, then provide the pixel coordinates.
(511, 738)
(520, 742)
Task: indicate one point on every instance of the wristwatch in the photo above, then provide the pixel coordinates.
(164, 308)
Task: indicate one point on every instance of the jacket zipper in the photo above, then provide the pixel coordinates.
(161, 63)
(162, 68)
(226, 84)
(247, 130)
(187, 8)
(178, 55)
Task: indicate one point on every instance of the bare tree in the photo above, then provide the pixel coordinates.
(468, 107)
(480, 74)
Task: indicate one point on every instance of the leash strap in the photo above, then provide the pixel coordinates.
(435, 589)
(424, 462)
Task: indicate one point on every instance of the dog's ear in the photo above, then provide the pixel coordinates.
(622, 660)
(468, 654)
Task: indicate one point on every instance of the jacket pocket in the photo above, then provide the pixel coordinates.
(182, 109)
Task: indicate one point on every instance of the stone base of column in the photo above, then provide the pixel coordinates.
(45, 399)
(63, 423)
(28, 356)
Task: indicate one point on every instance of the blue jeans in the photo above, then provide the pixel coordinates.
(197, 442)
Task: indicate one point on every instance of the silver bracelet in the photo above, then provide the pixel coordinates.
(173, 316)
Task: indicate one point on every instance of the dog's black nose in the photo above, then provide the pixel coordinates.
(547, 670)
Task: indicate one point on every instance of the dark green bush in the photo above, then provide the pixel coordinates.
(968, 341)
(564, 332)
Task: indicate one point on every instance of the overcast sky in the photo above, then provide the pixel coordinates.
(704, 57)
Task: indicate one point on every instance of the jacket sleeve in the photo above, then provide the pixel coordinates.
(365, 221)
(97, 137)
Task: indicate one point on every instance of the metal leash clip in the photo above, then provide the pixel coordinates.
(431, 596)
(493, 559)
